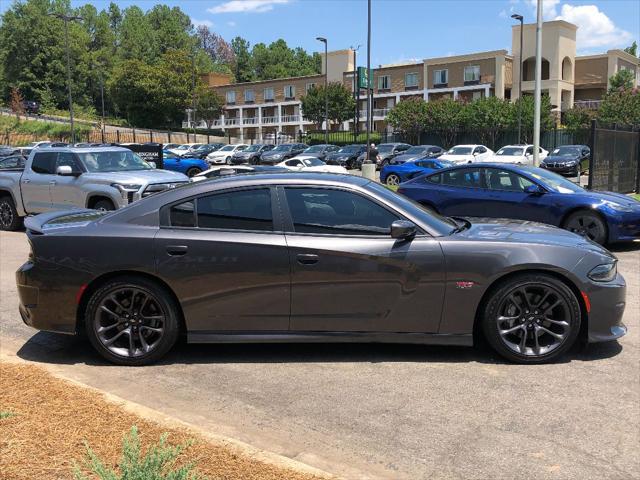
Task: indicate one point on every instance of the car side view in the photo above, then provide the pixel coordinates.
(395, 174)
(312, 258)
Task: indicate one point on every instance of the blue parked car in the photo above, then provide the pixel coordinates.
(188, 165)
(527, 193)
(395, 174)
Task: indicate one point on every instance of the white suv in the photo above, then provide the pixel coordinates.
(521, 154)
(467, 154)
(225, 153)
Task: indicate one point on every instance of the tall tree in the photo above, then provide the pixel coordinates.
(632, 49)
(621, 80)
(621, 107)
(341, 104)
(445, 116)
(410, 118)
(208, 105)
(243, 69)
(488, 116)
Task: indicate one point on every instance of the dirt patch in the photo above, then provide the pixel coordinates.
(45, 422)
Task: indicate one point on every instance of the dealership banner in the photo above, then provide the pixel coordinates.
(150, 152)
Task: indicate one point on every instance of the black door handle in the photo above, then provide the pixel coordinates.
(307, 258)
(177, 250)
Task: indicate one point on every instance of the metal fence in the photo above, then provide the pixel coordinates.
(615, 158)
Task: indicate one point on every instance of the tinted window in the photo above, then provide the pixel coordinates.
(468, 177)
(434, 178)
(44, 162)
(241, 210)
(505, 180)
(67, 159)
(11, 162)
(337, 212)
(183, 215)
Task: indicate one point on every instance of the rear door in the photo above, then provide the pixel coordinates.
(462, 193)
(349, 275)
(36, 182)
(226, 259)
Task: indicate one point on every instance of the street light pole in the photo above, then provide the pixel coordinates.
(356, 93)
(326, 89)
(369, 79)
(66, 19)
(102, 99)
(520, 18)
(537, 92)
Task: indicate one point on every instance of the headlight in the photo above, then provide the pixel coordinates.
(604, 273)
(618, 207)
(126, 187)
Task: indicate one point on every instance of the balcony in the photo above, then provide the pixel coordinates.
(377, 113)
(290, 118)
(231, 121)
(250, 121)
(589, 104)
(269, 120)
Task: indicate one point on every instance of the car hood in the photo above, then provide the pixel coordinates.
(612, 197)
(560, 158)
(336, 155)
(220, 153)
(457, 158)
(274, 154)
(244, 154)
(503, 159)
(326, 169)
(406, 157)
(521, 231)
(137, 176)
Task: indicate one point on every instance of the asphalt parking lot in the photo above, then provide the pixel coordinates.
(382, 411)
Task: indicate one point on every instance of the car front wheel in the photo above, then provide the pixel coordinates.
(587, 224)
(9, 218)
(532, 318)
(393, 180)
(193, 172)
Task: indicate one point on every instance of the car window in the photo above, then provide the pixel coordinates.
(67, 159)
(529, 151)
(240, 210)
(326, 211)
(183, 215)
(468, 177)
(504, 180)
(437, 178)
(11, 162)
(294, 163)
(44, 162)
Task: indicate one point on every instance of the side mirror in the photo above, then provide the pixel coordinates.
(66, 171)
(403, 229)
(153, 164)
(534, 190)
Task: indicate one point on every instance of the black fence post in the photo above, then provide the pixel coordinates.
(208, 141)
(168, 136)
(118, 136)
(102, 135)
(151, 136)
(555, 135)
(638, 165)
(592, 146)
(133, 130)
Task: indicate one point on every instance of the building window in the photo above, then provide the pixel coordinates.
(384, 82)
(269, 95)
(310, 86)
(411, 80)
(472, 73)
(289, 91)
(440, 77)
(231, 96)
(249, 96)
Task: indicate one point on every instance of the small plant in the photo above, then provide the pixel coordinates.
(157, 463)
(6, 414)
(16, 102)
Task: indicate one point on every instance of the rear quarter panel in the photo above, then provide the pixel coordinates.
(10, 185)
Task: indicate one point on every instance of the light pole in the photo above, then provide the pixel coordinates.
(193, 94)
(102, 99)
(356, 93)
(66, 19)
(369, 79)
(537, 91)
(520, 18)
(326, 89)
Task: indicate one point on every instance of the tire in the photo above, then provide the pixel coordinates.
(104, 204)
(392, 180)
(10, 221)
(227, 160)
(193, 171)
(587, 224)
(125, 317)
(546, 296)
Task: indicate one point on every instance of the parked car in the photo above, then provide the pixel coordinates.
(6, 150)
(223, 170)
(417, 151)
(467, 154)
(520, 154)
(204, 150)
(184, 148)
(347, 156)
(318, 151)
(310, 165)
(12, 162)
(251, 155)
(31, 107)
(386, 152)
(326, 258)
(170, 146)
(396, 174)
(55, 178)
(190, 166)
(527, 193)
(282, 152)
(568, 159)
(225, 154)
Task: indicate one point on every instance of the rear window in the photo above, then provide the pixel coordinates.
(44, 162)
(241, 210)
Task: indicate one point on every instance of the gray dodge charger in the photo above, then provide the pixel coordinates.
(312, 258)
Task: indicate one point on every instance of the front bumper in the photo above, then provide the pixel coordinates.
(624, 226)
(607, 302)
(557, 168)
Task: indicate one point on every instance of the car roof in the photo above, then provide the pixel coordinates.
(287, 178)
(470, 145)
(88, 149)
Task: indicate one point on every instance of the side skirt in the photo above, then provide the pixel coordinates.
(330, 337)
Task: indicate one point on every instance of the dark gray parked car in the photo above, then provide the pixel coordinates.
(282, 152)
(251, 155)
(417, 151)
(312, 258)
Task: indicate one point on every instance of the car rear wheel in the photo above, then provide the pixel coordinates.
(227, 160)
(587, 224)
(105, 205)
(132, 321)
(9, 218)
(532, 318)
(393, 180)
(193, 172)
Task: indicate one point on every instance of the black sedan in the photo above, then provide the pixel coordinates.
(203, 150)
(251, 155)
(282, 152)
(311, 258)
(320, 151)
(347, 156)
(568, 159)
(417, 151)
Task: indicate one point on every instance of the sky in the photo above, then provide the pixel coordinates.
(404, 30)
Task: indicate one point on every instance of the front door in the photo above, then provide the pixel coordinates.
(65, 192)
(349, 275)
(462, 193)
(223, 258)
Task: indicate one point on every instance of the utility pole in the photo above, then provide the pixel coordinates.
(66, 19)
(102, 99)
(326, 89)
(537, 92)
(368, 167)
(520, 18)
(356, 93)
(193, 93)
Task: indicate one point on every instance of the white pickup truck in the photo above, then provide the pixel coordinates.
(104, 178)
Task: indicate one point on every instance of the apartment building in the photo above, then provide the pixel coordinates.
(271, 110)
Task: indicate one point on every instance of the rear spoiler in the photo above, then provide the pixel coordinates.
(35, 224)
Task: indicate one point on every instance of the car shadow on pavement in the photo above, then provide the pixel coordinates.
(625, 247)
(54, 348)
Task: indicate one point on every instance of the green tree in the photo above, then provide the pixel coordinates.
(208, 105)
(632, 49)
(578, 118)
(528, 114)
(445, 117)
(487, 116)
(242, 68)
(622, 79)
(621, 107)
(341, 104)
(409, 117)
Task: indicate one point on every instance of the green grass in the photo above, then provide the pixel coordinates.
(636, 196)
(40, 130)
(393, 188)
(5, 414)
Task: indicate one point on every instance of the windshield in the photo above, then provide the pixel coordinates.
(282, 148)
(566, 152)
(554, 181)
(314, 149)
(312, 162)
(511, 151)
(416, 150)
(460, 151)
(349, 149)
(385, 148)
(254, 148)
(113, 161)
(227, 148)
(182, 147)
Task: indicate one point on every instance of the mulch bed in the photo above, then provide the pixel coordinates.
(43, 436)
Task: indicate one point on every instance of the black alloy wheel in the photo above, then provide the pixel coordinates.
(193, 171)
(587, 224)
(9, 218)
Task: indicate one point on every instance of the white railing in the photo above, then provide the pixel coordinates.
(250, 121)
(231, 121)
(290, 118)
(377, 112)
(590, 104)
(269, 119)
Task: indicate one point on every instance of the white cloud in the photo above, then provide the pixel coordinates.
(595, 29)
(231, 23)
(204, 23)
(549, 8)
(246, 6)
(503, 14)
